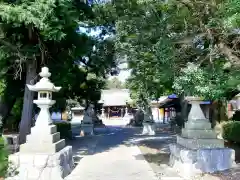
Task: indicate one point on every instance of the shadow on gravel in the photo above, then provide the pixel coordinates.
(159, 158)
(156, 149)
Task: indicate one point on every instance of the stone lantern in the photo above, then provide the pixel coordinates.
(44, 88)
(197, 149)
(44, 155)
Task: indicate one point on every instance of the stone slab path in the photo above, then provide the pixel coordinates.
(116, 164)
(120, 153)
(109, 156)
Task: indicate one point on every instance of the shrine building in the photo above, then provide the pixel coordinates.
(115, 102)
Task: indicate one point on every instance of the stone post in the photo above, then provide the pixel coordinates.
(148, 125)
(88, 121)
(126, 111)
(103, 113)
(44, 155)
(127, 117)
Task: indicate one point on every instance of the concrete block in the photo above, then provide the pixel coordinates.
(200, 125)
(42, 147)
(198, 134)
(200, 143)
(87, 129)
(148, 129)
(190, 162)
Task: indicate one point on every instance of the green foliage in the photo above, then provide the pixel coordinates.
(236, 115)
(114, 83)
(231, 131)
(46, 33)
(3, 158)
(65, 129)
(231, 14)
(160, 38)
(196, 81)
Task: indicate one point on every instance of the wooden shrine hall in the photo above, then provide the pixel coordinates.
(115, 103)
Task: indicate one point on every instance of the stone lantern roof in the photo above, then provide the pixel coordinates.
(44, 84)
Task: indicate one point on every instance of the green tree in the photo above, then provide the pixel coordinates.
(38, 33)
(160, 39)
(114, 83)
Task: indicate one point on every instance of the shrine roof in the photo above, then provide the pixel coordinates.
(115, 97)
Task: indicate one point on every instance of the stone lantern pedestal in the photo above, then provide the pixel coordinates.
(103, 113)
(148, 126)
(127, 117)
(86, 129)
(197, 149)
(87, 123)
(44, 155)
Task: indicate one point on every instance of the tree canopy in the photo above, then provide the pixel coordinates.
(41, 33)
(181, 46)
(114, 83)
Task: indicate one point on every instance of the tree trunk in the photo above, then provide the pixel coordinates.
(10, 96)
(5, 109)
(182, 116)
(27, 111)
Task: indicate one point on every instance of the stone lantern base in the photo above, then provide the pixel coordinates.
(188, 162)
(86, 129)
(197, 149)
(43, 157)
(43, 166)
(148, 128)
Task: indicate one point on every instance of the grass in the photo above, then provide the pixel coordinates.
(3, 158)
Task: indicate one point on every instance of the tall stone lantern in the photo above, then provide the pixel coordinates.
(198, 150)
(44, 155)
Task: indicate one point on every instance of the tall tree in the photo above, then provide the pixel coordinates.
(41, 32)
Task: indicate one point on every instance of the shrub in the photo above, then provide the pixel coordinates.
(231, 131)
(65, 129)
(3, 158)
(236, 115)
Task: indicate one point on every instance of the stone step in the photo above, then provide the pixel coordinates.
(48, 130)
(202, 134)
(198, 124)
(45, 138)
(42, 147)
(200, 143)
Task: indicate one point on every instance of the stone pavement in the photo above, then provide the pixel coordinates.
(110, 157)
(121, 153)
(116, 164)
